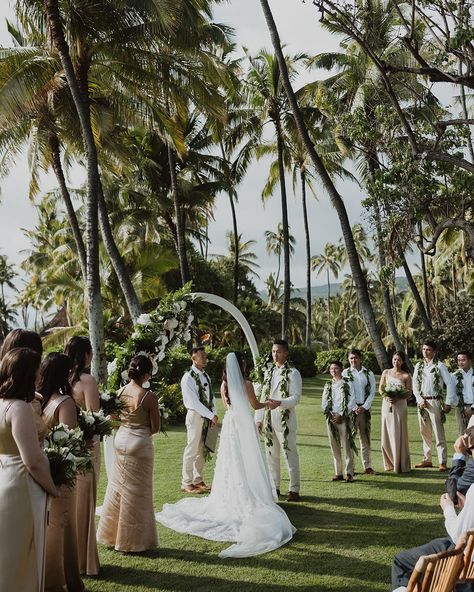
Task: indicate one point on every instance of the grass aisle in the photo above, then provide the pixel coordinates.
(347, 533)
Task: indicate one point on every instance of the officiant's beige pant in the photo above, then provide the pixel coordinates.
(336, 448)
(431, 424)
(365, 451)
(193, 457)
(291, 458)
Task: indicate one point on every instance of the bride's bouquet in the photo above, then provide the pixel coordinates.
(111, 403)
(395, 391)
(67, 454)
(94, 423)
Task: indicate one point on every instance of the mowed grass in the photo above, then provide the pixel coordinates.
(347, 533)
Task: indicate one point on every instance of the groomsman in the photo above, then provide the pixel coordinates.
(198, 400)
(364, 388)
(282, 387)
(461, 393)
(429, 379)
(338, 403)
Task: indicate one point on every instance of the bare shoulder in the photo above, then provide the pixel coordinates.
(88, 380)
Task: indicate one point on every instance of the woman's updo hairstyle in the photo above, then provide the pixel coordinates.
(139, 366)
(77, 349)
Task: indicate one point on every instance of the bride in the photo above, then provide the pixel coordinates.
(241, 507)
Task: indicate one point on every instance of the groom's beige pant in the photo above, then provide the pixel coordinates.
(193, 457)
(336, 448)
(291, 457)
(431, 424)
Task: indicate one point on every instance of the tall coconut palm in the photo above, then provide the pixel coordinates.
(274, 242)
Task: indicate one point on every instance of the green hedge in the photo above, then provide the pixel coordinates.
(171, 398)
(323, 359)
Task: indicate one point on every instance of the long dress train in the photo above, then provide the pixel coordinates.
(241, 507)
(395, 446)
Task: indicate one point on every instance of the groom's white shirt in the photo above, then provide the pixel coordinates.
(190, 393)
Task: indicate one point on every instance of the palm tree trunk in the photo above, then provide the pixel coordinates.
(329, 304)
(94, 298)
(416, 294)
(286, 237)
(130, 295)
(308, 259)
(236, 250)
(424, 274)
(354, 262)
(71, 214)
(180, 231)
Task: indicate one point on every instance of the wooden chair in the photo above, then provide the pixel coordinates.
(467, 573)
(438, 572)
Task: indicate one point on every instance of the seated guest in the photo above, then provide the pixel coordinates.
(455, 524)
(461, 475)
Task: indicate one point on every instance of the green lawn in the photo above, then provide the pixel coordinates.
(347, 533)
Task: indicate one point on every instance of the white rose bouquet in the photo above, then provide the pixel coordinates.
(94, 423)
(395, 391)
(67, 454)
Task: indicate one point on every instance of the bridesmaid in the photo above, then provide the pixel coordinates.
(127, 520)
(395, 447)
(25, 478)
(86, 396)
(62, 563)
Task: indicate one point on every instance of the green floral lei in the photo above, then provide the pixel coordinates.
(438, 392)
(460, 394)
(284, 413)
(208, 403)
(347, 416)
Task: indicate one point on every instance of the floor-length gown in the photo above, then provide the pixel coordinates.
(241, 507)
(62, 561)
(22, 509)
(395, 446)
(86, 498)
(127, 520)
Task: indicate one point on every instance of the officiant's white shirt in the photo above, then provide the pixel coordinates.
(190, 393)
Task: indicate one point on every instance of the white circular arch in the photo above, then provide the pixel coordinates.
(235, 312)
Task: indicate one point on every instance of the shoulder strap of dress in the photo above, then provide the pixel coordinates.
(143, 398)
(53, 405)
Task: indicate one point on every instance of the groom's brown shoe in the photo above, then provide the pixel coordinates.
(293, 496)
(190, 489)
(424, 464)
(202, 487)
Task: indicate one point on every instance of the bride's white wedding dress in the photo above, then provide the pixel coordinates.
(241, 507)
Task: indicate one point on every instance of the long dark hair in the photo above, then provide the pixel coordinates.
(18, 374)
(139, 366)
(77, 348)
(54, 376)
(243, 368)
(21, 338)
(402, 355)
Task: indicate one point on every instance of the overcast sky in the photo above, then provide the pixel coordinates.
(300, 30)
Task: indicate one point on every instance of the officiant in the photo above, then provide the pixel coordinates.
(201, 415)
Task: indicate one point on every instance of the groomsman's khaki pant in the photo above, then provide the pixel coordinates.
(462, 425)
(291, 457)
(193, 457)
(336, 448)
(365, 451)
(431, 424)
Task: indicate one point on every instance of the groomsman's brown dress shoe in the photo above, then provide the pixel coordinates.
(293, 496)
(202, 487)
(424, 464)
(369, 471)
(190, 489)
(442, 468)
(349, 479)
(337, 478)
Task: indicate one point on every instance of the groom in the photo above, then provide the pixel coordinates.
(282, 387)
(198, 400)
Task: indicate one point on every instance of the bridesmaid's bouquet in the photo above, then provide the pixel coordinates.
(111, 403)
(94, 423)
(164, 415)
(67, 454)
(395, 391)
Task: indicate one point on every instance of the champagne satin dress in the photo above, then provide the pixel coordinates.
(62, 561)
(127, 521)
(86, 499)
(394, 433)
(22, 512)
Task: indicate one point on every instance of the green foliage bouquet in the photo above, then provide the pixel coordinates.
(67, 454)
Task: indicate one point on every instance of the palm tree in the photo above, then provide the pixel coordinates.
(336, 199)
(274, 242)
(330, 262)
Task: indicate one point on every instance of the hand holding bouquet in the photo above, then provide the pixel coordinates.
(94, 423)
(67, 454)
(394, 392)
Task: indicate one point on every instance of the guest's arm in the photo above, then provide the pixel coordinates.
(20, 417)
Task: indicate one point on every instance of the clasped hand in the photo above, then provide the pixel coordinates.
(272, 404)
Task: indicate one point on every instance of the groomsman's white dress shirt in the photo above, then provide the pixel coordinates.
(191, 396)
(338, 397)
(427, 383)
(468, 390)
(360, 382)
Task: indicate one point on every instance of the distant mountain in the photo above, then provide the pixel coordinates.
(321, 291)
